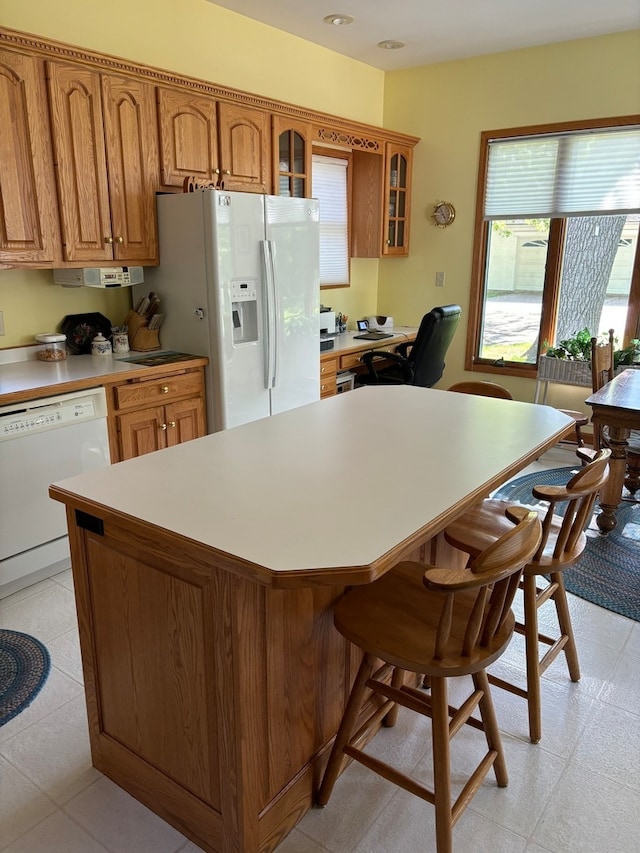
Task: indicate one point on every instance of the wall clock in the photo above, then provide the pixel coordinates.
(443, 214)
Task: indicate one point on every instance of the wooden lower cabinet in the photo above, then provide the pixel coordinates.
(212, 698)
(152, 414)
(153, 429)
(328, 371)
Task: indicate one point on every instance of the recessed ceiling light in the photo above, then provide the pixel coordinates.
(339, 20)
(390, 44)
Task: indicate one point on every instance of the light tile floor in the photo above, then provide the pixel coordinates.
(575, 792)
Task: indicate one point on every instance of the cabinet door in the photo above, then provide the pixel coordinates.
(291, 146)
(28, 211)
(397, 200)
(244, 148)
(141, 432)
(188, 127)
(185, 420)
(132, 157)
(78, 143)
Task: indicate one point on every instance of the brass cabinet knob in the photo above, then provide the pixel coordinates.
(108, 240)
(172, 424)
(216, 171)
(119, 239)
(165, 389)
(227, 172)
(163, 426)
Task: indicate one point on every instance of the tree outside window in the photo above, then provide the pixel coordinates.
(556, 247)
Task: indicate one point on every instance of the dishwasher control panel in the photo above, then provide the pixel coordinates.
(50, 413)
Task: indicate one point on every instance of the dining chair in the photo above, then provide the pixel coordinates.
(438, 622)
(566, 512)
(481, 389)
(603, 371)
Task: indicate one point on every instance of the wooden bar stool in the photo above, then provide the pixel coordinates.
(442, 623)
(563, 542)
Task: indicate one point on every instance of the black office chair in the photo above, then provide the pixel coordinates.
(419, 362)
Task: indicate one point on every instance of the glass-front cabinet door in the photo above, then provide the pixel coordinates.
(397, 200)
(292, 158)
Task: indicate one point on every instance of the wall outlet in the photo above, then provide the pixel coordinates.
(1, 323)
(439, 279)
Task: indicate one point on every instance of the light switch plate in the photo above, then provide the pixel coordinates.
(1, 323)
(439, 279)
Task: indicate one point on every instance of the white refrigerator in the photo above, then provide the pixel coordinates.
(239, 282)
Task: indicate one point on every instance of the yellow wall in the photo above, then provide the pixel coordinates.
(198, 39)
(447, 105)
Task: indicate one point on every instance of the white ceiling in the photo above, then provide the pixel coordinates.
(438, 30)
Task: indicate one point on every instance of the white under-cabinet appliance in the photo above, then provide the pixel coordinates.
(239, 282)
(42, 441)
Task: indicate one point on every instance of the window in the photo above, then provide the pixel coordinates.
(556, 245)
(331, 187)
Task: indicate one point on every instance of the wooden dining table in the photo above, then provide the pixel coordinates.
(616, 406)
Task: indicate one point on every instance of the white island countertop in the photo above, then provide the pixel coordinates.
(350, 482)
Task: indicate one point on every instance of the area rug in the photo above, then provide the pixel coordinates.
(24, 667)
(608, 574)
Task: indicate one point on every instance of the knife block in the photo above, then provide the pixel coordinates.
(141, 338)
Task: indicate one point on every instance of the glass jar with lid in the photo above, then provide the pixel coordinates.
(51, 347)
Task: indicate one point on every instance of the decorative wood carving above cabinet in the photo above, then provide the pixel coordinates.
(102, 132)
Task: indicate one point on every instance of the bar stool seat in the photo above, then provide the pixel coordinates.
(442, 623)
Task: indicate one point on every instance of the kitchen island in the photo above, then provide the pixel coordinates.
(206, 575)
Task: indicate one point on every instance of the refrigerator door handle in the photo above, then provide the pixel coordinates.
(271, 344)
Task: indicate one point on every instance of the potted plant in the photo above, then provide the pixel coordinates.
(569, 361)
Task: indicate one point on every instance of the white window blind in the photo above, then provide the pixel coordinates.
(329, 180)
(585, 173)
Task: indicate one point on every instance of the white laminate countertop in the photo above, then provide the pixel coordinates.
(337, 483)
(346, 341)
(28, 376)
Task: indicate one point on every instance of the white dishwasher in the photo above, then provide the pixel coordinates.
(42, 441)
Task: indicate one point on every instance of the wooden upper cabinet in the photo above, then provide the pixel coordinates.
(221, 142)
(381, 202)
(188, 127)
(28, 210)
(105, 147)
(397, 200)
(244, 147)
(291, 157)
(130, 130)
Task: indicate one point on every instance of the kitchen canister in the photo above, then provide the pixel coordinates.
(120, 342)
(100, 346)
(51, 347)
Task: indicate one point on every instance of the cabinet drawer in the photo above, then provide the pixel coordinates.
(328, 386)
(351, 360)
(328, 368)
(135, 394)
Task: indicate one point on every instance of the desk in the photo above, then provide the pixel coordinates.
(347, 354)
(617, 407)
(205, 579)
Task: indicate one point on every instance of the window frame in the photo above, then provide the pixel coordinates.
(339, 154)
(551, 286)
